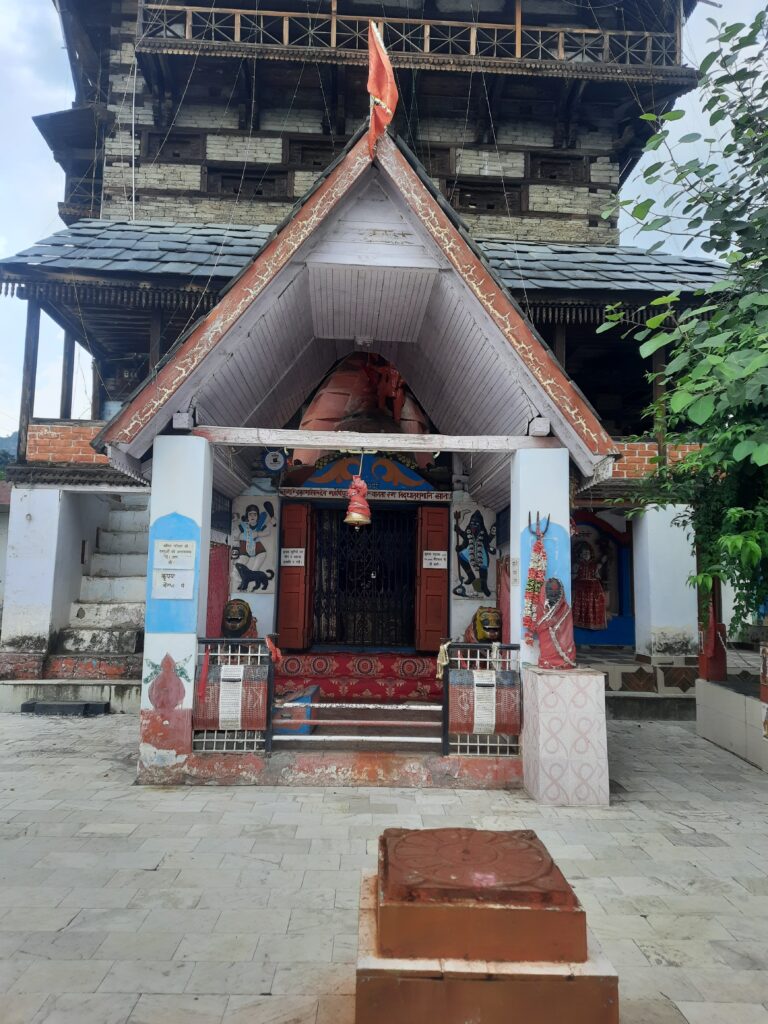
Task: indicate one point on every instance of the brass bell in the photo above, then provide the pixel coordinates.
(357, 519)
(358, 510)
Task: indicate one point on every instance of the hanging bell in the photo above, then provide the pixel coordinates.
(358, 510)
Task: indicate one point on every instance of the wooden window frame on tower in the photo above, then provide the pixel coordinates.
(157, 145)
(512, 198)
(274, 185)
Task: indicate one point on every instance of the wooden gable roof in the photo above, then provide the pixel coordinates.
(531, 363)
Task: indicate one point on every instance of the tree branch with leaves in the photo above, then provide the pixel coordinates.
(714, 394)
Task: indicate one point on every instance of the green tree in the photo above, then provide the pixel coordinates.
(714, 190)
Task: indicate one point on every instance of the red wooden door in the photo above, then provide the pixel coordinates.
(432, 583)
(295, 591)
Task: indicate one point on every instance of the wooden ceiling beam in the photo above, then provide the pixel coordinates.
(352, 440)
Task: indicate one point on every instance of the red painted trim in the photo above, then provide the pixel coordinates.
(339, 768)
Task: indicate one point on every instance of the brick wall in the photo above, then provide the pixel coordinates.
(678, 451)
(637, 458)
(63, 442)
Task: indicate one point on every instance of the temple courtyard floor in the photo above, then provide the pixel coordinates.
(120, 903)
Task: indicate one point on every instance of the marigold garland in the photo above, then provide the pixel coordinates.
(537, 571)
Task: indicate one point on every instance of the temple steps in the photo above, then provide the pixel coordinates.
(100, 641)
(95, 615)
(105, 633)
(132, 520)
(413, 726)
(113, 589)
(124, 542)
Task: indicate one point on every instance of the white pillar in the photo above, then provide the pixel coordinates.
(33, 532)
(540, 484)
(177, 589)
(564, 749)
(666, 611)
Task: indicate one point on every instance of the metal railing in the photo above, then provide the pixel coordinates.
(498, 734)
(405, 37)
(209, 733)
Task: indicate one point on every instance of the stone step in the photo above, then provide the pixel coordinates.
(118, 564)
(129, 542)
(137, 501)
(86, 640)
(92, 666)
(113, 589)
(76, 708)
(123, 694)
(133, 520)
(115, 615)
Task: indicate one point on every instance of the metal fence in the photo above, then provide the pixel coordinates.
(234, 696)
(482, 699)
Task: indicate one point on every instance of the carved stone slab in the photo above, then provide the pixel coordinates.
(476, 895)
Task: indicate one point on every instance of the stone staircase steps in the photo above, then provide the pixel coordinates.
(100, 641)
(117, 615)
(113, 589)
(134, 520)
(127, 542)
(105, 635)
(358, 725)
(118, 564)
(140, 501)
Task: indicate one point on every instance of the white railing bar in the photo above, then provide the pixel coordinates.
(312, 738)
(334, 705)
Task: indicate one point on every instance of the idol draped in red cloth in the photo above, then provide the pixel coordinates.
(381, 86)
(588, 595)
(554, 627)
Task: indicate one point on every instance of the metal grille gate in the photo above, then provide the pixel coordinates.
(365, 579)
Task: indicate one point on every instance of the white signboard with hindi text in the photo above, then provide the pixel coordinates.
(173, 584)
(175, 554)
(292, 556)
(434, 560)
(514, 572)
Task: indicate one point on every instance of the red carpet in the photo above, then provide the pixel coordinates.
(342, 676)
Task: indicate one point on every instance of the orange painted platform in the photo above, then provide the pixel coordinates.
(337, 768)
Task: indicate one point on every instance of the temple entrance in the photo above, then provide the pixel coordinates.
(365, 579)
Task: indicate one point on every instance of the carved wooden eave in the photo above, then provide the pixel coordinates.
(684, 77)
(72, 288)
(518, 353)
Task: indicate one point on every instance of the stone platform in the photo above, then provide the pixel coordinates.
(390, 990)
(467, 925)
(470, 894)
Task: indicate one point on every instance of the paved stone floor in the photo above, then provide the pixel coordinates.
(204, 905)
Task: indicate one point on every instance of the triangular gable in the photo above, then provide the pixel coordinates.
(574, 421)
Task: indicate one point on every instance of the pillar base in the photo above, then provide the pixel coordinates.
(564, 742)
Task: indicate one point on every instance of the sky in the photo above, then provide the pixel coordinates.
(35, 79)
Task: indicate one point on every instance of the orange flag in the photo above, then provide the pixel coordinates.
(381, 86)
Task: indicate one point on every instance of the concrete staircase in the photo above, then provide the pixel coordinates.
(105, 635)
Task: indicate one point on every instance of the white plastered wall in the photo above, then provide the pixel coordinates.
(666, 613)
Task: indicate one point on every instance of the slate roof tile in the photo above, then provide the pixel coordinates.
(221, 251)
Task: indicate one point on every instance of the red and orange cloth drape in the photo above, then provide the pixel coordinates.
(381, 86)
